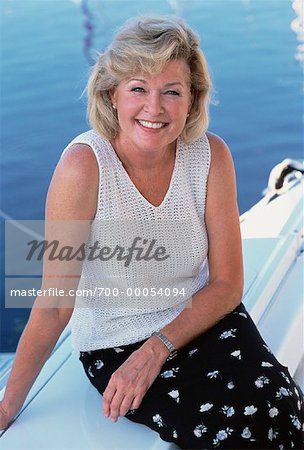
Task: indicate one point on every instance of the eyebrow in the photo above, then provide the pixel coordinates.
(173, 83)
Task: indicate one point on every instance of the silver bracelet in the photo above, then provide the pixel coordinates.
(167, 343)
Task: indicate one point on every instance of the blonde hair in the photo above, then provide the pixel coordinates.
(144, 45)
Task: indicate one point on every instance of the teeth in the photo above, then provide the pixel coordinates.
(146, 124)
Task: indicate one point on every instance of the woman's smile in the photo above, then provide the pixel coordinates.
(151, 125)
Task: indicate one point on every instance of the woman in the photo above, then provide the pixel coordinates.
(190, 365)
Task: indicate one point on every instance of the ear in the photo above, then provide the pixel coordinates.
(113, 96)
(192, 99)
(191, 102)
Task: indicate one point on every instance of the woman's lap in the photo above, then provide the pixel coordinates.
(222, 390)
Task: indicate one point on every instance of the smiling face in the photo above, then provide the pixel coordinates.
(152, 109)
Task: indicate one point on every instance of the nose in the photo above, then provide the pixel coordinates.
(153, 104)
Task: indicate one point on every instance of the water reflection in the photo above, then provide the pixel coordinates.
(89, 27)
(297, 25)
(178, 7)
(97, 25)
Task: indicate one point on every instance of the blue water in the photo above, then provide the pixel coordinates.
(47, 47)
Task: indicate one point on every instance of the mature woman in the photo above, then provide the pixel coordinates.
(188, 361)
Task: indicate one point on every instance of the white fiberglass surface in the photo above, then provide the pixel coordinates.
(269, 220)
(67, 414)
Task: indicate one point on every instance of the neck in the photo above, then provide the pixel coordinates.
(141, 160)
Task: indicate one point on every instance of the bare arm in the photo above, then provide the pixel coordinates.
(71, 197)
(131, 381)
(225, 288)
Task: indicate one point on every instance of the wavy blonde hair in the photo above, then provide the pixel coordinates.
(144, 45)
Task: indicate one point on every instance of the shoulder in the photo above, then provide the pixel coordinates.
(78, 159)
(78, 167)
(221, 183)
(221, 157)
(74, 186)
(219, 148)
(221, 178)
(82, 149)
(215, 140)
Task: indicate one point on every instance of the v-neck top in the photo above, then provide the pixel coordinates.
(126, 175)
(143, 262)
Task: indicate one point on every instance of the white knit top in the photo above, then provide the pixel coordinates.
(123, 296)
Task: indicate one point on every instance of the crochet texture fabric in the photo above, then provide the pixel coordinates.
(122, 314)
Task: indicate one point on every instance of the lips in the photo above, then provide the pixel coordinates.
(151, 125)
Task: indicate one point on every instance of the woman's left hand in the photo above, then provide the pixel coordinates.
(130, 382)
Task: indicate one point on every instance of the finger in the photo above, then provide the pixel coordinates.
(126, 405)
(115, 405)
(136, 402)
(107, 398)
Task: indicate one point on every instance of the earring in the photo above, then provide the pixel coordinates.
(113, 106)
(188, 114)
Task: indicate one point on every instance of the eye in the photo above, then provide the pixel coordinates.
(170, 92)
(137, 89)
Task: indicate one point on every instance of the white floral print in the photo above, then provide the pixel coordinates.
(295, 421)
(246, 433)
(272, 434)
(299, 405)
(90, 372)
(221, 435)
(99, 364)
(230, 398)
(266, 364)
(273, 412)
(206, 407)
(228, 334)
(267, 348)
(261, 381)
(283, 392)
(241, 314)
(158, 419)
(175, 395)
(169, 373)
(250, 410)
(191, 352)
(285, 377)
(199, 430)
(228, 410)
(213, 374)
(296, 391)
(236, 354)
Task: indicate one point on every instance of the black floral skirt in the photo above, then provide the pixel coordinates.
(225, 389)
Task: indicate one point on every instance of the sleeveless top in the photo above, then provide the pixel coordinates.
(148, 260)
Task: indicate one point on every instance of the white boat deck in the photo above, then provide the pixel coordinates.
(67, 410)
(68, 413)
